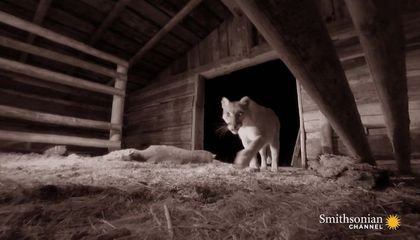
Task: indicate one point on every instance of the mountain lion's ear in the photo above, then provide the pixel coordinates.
(225, 101)
(245, 101)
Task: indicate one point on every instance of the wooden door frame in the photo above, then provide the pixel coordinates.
(197, 140)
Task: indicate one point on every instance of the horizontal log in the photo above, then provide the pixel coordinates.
(42, 52)
(13, 112)
(57, 139)
(56, 77)
(51, 89)
(25, 97)
(58, 38)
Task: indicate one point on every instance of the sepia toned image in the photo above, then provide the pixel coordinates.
(209, 119)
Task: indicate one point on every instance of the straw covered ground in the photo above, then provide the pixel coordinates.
(114, 197)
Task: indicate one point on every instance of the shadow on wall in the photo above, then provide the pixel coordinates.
(270, 84)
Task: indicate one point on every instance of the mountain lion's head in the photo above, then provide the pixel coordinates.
(234, 113)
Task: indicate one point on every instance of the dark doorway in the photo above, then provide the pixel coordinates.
(269, 84)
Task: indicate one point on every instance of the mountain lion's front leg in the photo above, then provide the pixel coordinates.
(244, 157)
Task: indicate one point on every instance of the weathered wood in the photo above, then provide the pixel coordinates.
(56, 77)
(302, 41)
(21, 46)
(57, 139)
(55, 37)
(40, 13)
(198, 115)
(162, 32)
(19, 113)
(380, 30)
(117, 114)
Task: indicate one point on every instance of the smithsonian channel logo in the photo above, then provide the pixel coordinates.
(391, 222)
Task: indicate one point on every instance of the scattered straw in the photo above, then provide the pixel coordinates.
(168, 221)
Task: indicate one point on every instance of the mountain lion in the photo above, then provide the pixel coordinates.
(258, 128)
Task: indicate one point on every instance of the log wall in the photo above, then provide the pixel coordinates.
(43, 106)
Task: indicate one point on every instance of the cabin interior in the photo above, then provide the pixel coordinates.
(89, 77)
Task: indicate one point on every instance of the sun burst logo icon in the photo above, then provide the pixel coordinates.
(393, 222)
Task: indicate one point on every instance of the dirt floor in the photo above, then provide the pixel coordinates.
(77, 197)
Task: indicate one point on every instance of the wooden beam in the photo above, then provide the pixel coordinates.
(162, 32)
(117, 114)
(379, 26)
(109, 19)
(34, 116)
(57, 139)
(233, 8)
(42, 52)
(40, 13)
(55, 37)
(56, 77)
(302, 41)
(198, 114)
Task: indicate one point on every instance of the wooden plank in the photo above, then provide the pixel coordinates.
(160, 122)
(292, 36)
(56, 77)
(57, 139)
(55, 37)
(198, 115)
(177, 106)
(40, 13)
(383, 49)
(117, 114)
(162, 32)
(21, 46)
(34, 116)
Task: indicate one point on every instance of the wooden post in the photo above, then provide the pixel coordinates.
(117, 115)
(297, 32)
(302, 132)
(381, 35)
(198, 114)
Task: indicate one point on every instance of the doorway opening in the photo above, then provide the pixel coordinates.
(270, 84)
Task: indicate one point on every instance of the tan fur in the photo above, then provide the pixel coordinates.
(258, 128)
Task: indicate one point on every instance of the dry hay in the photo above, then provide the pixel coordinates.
(114, 199)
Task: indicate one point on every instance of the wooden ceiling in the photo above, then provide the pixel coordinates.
(119, 27)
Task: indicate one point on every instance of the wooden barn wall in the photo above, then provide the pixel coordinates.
(36, 95)
(162, 113)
